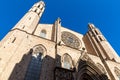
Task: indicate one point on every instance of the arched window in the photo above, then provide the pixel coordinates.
(67, 61)
(117, 72)
(43, 33)
(34, 67)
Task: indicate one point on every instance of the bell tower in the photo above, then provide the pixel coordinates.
(41, 51)
(31, 19)
(98, 38)
(11, 44)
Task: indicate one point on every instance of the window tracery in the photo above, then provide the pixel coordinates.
(34, 67)
(71, 40)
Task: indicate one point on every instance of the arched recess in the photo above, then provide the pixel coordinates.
(101, 67)
(43, 33)
(39, 48)
(89, 71)
(67, 61)
(117, 72)
(35, 64)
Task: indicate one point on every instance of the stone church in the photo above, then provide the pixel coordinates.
(36, 51)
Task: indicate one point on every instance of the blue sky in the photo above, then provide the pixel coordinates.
(75, 15)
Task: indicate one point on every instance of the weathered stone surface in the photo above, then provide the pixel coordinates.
(90, 55)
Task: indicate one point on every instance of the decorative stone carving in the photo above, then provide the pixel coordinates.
(101, 68)
(39, 49)
(117, 71)
(70, 40)
(85, 57)
(63, 74)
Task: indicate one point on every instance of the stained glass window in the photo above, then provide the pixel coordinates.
(34, 68)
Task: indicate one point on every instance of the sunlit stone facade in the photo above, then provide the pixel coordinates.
(36, 51)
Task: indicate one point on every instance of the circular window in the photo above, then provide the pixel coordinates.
(70, 40)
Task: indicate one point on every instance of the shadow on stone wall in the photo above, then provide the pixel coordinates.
(88, 71)
(20, 68)
(58, 61)
(48, 66)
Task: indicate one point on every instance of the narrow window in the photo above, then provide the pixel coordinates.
(100, 38)
(43, 34)
(42, 8)
(14, 40)
(38, 5)
(67, 61)
(23, 26)
(35, 10)
(96, 32)
(34, 67)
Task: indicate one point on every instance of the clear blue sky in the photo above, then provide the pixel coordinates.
(75, 15)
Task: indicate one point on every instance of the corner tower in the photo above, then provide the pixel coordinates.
(19, 39)
(36, 51)
(31, 19)
(101, 44)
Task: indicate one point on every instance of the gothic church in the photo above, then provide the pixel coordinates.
(36, 51)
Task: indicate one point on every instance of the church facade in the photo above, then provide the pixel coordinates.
(36, 51)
